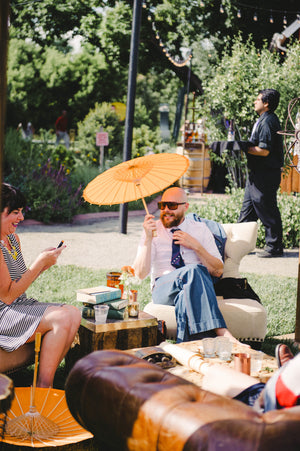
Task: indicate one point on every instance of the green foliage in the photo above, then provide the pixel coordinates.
(49, 195)
(101, 115)
(42, 174)
(242, 72)
(226, 209)
(61, 156)
(144, 140)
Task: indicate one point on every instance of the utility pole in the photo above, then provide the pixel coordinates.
(132, 73)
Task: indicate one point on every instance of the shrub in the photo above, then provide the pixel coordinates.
(101, 115)
(144, 140)
(49, 195)
(226, 209)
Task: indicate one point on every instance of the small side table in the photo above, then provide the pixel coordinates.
(114, 334)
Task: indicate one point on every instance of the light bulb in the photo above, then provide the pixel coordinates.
(255, 17)
(239, 15)
(221, 9)
(284, 20)
(271, 19)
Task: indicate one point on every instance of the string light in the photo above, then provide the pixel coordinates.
(175, 61)
(178, 63)
(266, 12)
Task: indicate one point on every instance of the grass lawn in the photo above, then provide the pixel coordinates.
(58, 284)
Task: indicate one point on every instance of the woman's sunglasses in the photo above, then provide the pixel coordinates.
(170, 205)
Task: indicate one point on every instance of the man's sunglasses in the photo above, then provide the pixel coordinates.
(170, 205)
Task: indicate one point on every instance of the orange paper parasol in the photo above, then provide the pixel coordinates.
(136, 179)
(51, 403)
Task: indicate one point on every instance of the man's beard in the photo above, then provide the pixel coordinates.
(174, 222)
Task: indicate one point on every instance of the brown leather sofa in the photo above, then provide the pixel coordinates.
(130, 404)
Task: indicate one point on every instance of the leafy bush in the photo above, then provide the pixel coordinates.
(50, 196)
(226, 209)
(101, 115)
(144, 140)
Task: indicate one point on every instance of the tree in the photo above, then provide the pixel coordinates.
(241, 73)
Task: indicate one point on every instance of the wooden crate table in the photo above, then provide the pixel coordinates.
(118, 334)
(114, 334)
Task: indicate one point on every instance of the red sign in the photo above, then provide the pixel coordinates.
(102, 139)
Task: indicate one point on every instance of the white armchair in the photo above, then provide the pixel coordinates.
(245, 318)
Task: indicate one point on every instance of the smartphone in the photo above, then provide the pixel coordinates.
(60, 244)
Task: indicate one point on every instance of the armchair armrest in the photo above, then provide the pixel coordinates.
(241, 239)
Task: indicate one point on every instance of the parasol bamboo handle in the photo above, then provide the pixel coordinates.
(145, 206)
(37, 348)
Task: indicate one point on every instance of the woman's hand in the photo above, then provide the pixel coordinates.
(49, 257)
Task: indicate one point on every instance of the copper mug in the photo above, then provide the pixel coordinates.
(242, 362)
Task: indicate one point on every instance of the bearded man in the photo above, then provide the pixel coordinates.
(183, 260)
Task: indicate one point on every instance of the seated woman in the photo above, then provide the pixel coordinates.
(21, 317)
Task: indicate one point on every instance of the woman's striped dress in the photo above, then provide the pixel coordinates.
(19, 320)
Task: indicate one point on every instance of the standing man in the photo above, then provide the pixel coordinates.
(182, 259)
(265, 159)
(61, 126)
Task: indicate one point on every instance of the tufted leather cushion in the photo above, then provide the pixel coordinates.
(130, 404)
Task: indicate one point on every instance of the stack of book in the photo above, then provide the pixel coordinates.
(102, 295)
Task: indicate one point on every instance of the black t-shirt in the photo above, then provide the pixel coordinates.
(265, 136)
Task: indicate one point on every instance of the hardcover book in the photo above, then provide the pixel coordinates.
(98, 295)
(116, 314)
(117, 304)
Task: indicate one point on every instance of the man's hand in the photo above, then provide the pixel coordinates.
(186, 240)
(213, 264)
(149, 225)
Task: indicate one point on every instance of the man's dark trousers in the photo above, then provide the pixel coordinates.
(260, 201)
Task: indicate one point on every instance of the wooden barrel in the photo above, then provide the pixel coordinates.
(198, 173)
(290, 183)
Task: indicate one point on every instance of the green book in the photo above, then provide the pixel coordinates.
(116, 314)
(117, 304)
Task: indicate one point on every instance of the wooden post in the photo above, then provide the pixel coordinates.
(297, 330)
(4, 7)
